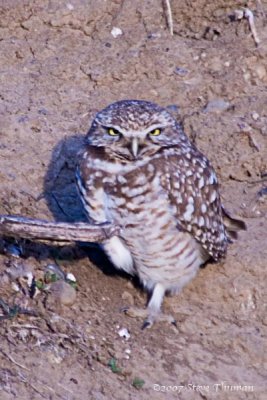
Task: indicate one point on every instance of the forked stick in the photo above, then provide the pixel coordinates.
(61, 232)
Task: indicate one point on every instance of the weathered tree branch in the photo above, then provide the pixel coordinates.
(61, 232)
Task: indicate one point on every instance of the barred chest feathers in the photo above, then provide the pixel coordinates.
(151, 244)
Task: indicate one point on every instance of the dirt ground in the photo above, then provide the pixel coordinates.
(60, 63)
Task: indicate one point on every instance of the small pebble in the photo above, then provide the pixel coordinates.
(23, 334)
(123, 332)
(24, 118)
(64, 293)
(255, 116)
(181, 71)
(115, 32)
(217, 105)
(15, 287)
(154, 35)
(42, 111)
(71, 277)
(29, 276)
(55, 269)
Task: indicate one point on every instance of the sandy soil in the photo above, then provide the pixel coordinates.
(60, 64)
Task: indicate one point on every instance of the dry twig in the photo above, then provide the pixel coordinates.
(169, 16)
(250, 17)
(248, 14)
(61, 232)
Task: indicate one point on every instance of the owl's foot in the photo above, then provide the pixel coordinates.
(161, 317)
(152, 313)
(149, 316)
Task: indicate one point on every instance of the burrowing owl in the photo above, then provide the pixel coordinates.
(141, 172)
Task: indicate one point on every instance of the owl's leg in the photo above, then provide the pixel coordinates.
(153, 311)
(154, 308)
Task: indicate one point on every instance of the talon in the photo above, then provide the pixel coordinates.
(149, 316)
(146, 325)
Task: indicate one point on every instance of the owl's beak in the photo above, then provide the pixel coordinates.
(135, 146)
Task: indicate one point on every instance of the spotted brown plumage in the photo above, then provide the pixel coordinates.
(141, 172)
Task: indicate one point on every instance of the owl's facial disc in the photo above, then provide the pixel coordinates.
(133, 130)
(133, 145)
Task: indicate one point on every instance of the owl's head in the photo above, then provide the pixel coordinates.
(134, 129)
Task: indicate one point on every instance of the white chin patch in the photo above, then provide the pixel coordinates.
(119, 255)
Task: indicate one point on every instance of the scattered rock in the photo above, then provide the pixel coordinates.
(217, 106)
(115, 32)
(123, 332)
(54, 269)
(63, 293)
(181, 71)
(255, 116)
(15, 287)
(71, 277)
(154, 35)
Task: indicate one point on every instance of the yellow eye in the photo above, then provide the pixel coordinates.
(155, 132)
(113, 132)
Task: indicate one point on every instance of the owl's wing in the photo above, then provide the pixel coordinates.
(195, 196)
(90, 181)
(233, 225)
(90, 187)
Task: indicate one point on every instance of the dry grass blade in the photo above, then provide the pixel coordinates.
(13, 361)
(169, 16)
(61, 232)
(250, 17)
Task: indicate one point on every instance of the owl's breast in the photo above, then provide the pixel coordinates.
(138, 202)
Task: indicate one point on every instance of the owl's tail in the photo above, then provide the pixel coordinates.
(232, 225)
